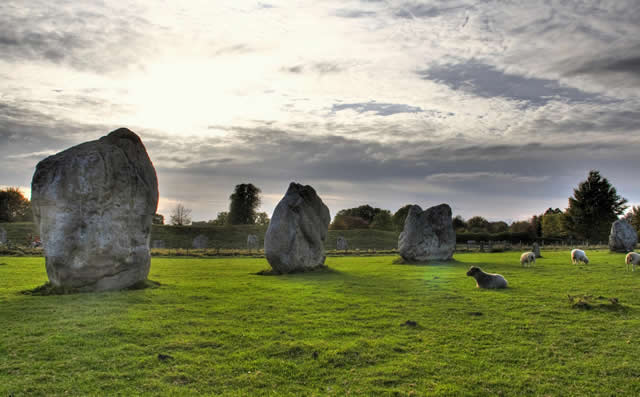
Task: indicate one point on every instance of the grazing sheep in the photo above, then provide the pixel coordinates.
(578, 256)
(527, 258)
(632, 258)
(487, 280)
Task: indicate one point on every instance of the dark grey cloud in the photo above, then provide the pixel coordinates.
(354, 13)
(488, 82)
(431, 10)
(73, 36)
(624, 61)
(378, 108)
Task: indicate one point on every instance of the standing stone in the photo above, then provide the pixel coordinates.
(295, 238)
(200, 242)
(3, 236)
(341, 244)
(536, 250)
(157, 244)
(427, 235)
(93, 205)
(623, 237)
(252, 242)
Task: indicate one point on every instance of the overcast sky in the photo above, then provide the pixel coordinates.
(499, 108)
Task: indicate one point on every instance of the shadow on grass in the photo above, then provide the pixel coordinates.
(48, 289)
(316, 270)
(402, 261)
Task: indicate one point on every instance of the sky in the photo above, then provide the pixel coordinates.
(498, 108)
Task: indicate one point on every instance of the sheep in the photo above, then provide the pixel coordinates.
(632, 258)
(578, 256)
(527, 258)
(487, 280)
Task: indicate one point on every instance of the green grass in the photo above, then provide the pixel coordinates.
(222, 330)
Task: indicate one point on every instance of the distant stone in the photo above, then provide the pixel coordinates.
(158, 244)
(623, 237)
(536, 250)
(200, 242)
(252, 242)
(3, 236)
(427, 235)
(298, 229)
(93, 205)
(341, 244)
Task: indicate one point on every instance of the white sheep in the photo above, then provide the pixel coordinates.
(487, 280)
(527, 258)
(578, 256)
(632, 258)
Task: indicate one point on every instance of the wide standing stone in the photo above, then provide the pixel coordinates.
(295, 238)
(200, 242)
(623, 237)
(3, 236)
(427, 235)
(93, 204)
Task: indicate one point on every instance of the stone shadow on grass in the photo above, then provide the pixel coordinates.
(48, 289)
(401, 261)
(323, 269)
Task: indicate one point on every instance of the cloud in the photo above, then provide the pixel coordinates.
(353, 13)
(423, 10)
(316, 67)
(488, 82)
(377, 108)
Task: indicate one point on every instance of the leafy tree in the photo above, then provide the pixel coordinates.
(553, 225)
(522, 227)
(14, 206)
(498, 227)
(262, 218)
(633, 217)
(478, 224)
(594, 206)
(345, 222)
(158, 219)
(382, 220)
(180, 216)
(536, 222)
(400, 216)
(459, 223)
(221, 219)
(244, 202)
(365, 212)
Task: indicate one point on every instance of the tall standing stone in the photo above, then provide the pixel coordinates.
(3, 236)
(200, 242)
(93, 204)
(252, 242)
(536, 250)
(623, 237)
(295, 238)
(341, 243)
(427, 235)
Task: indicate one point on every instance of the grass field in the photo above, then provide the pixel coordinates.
(214, 327)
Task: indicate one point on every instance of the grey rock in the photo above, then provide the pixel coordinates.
(200, 242)
(623, 237)
(157, 244)
(536, 250)
(295, 238)
(427, 235)
(93, 205)
(3, 236)
(341, 243)
(252, 242)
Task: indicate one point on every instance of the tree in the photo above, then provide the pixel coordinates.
(553, 225)
(365, 212)
(14, 206)
(244, 202)
(633, 217)
(345, 222)
(382, 220)
(498, 227)
(221, 220)
(478, 224)
(158, 219)
(400, 216)
(523, 227)
(595, 205)
(180, 216)
(459, 223)
(262, 219)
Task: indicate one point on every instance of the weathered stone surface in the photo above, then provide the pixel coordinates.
(536, 250)
(623, 237)
(3, 236)
(200, 242)
(341, 243)
(427, 235)
(157, 244)
(93, 204)
(252, 242)
(295, 238)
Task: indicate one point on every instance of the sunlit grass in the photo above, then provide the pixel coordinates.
(215, 327)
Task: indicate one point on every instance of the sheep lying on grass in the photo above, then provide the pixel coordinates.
(578, 256)
(632, 258)
(487, 280)
(527, 258)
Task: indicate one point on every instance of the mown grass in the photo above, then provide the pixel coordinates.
(215, 327)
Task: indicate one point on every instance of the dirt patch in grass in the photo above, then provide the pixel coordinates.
(588, 302)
